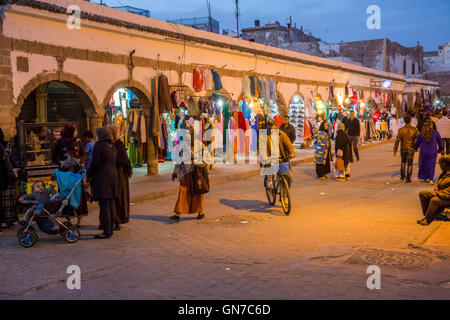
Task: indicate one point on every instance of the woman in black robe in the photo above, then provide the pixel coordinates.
(343, 143)
(104, 180)
(125, 172)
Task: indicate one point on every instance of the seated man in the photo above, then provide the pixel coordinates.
(434, 202)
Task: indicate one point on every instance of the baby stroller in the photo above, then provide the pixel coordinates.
(70, 192)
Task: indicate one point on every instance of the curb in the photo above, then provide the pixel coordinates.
(234, 177)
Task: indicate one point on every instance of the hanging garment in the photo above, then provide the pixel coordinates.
(253, 122)
(245, 108)
(231, 106)
(164, 101)
(246, 86)
(260, 87)
(154, 108)
(272, 90)
(226, 120)
(242, 127)
(278, 121)
(217, 81)
(254, 84)
(173, 99)
(197, 80)
(267, 91)
(142, 128)
(208, 81)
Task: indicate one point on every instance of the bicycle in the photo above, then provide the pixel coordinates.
(277, 184)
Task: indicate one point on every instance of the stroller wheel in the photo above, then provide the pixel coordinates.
(22, 230)
(72, 235)
(27, 239)
(62, 230)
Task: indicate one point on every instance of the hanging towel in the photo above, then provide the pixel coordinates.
(216, 79)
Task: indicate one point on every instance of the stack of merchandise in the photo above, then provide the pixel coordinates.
(297, 119)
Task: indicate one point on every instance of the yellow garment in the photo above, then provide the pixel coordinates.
(383, 126)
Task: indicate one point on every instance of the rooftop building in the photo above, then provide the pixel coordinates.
(202, 23)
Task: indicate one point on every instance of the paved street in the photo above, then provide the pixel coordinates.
(245, 249)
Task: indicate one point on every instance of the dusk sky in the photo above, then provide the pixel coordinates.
(403, 21)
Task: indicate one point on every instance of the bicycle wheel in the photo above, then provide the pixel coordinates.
(271, 189)
(285, 196)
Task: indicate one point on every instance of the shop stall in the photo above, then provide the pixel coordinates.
(36, 143)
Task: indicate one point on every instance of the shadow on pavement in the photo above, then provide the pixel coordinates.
(251, 206)
(162, 219)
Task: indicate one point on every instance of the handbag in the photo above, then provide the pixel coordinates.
(201, 179)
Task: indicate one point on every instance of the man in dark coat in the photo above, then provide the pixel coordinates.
(353, 128)
(288, 128)
(104, 180)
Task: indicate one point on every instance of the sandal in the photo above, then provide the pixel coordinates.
(175, 218)
(200, 216)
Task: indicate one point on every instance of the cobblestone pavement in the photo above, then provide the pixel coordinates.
(245, 249)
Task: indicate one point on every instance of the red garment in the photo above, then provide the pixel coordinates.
(376, 115)
(278, 121)
(307, 134)
(241, 126)
(354, 98)
(197, 80)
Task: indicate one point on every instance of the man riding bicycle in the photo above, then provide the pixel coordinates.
(286, 149)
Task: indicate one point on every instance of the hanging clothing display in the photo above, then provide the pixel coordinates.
(197, 79)
(254, 86)
(164, 101)
(208, 83)
(216, 80)
(246, 86)
(272, 90)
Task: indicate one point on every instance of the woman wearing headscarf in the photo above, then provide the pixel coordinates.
(430, 144)
(322, 152)
(67, 154)
(187, 202)
(343, 143)
(8, 193)
(104, 180)
(124, 172)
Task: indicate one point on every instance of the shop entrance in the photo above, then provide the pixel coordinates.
(127, 109)
(43, 114)
(57, 101)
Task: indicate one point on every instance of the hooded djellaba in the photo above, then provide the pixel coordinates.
(124, 171)
(430, 144)
(104, 180)
(343, 142)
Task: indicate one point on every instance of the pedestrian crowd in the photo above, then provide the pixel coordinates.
(108, 167)
(107, 180)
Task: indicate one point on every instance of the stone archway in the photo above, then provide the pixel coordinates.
(63, 77)
(138, 89)
(50, 97)
(145, 100)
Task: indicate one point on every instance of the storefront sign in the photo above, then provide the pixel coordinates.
(386, 84)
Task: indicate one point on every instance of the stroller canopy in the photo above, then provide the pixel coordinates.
(68, 181)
